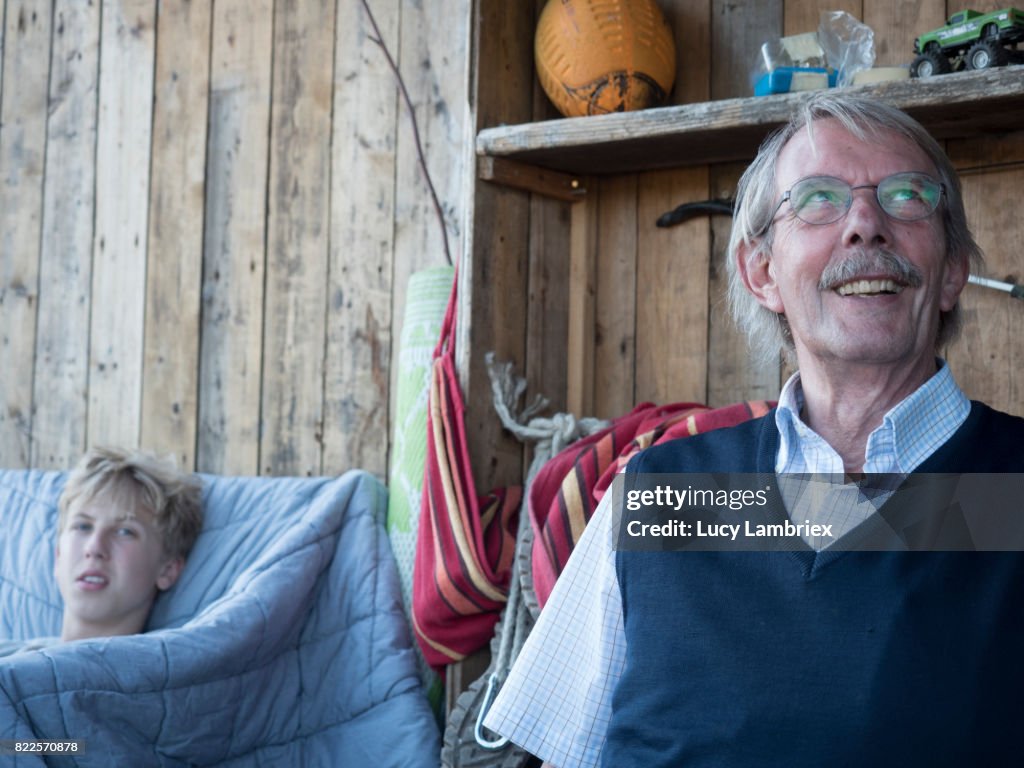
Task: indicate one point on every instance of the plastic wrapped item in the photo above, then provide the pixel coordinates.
(789, 79)
(849, 45)
(793, 63)
(773, 56)
(840, 48)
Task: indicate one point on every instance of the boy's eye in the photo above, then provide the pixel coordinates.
(80, 526)
(126, 532)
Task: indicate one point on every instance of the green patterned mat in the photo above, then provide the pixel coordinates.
(426, 302)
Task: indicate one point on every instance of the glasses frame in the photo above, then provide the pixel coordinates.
(787, 196)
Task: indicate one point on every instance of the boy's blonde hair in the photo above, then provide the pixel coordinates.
(173, 497)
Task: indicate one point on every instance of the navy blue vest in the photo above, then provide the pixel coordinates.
(831, 659)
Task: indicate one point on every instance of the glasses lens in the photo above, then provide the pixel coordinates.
(820, 199)
(909, 196)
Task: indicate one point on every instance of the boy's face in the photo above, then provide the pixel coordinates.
(109, 565)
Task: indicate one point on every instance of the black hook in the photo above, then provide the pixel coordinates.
(687, 211)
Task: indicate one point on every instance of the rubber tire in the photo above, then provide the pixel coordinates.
(459, 748)
(984, 54)
(930, 63)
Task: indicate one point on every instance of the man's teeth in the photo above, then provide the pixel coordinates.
(868, 286)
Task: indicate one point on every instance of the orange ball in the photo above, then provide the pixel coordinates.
(599, 56)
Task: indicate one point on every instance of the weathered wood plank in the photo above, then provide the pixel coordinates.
(119, 244)
(805, 15)
(2, 29)
(897, 24)
(737, 33)
(297, 260)
(672, 291)
(960, 104)
(234, 238)
(496, 322)
(672, 264)
(26, 64)
(690, 21)
(988, 357)
(433, 52)
(65, 273)
(581, 327)
(359, 312)
(171, 361)
(547, 328)
(492, 273)
(614, 372)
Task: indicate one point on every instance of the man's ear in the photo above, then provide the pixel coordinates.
(169, 573)
(758, 274)
(957, 271)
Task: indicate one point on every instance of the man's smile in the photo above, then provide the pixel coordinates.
(869, 287)
(870, 273)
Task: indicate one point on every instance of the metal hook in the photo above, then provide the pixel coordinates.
(478, 732)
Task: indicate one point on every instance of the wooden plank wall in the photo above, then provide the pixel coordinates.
(209, 213)
(208, 217)
(660, 331)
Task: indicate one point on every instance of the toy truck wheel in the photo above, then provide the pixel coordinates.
(929, 63)
(984, 54)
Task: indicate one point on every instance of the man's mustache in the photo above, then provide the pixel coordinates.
(876, 262)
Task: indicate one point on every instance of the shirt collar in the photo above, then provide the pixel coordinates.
(910, 431)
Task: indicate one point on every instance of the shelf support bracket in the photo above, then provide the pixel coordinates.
(560, 186)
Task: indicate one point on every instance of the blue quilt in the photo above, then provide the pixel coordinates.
(283, 643)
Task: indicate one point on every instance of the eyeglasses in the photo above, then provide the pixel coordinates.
(825, 199)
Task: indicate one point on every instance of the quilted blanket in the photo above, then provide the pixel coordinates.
(283, 643)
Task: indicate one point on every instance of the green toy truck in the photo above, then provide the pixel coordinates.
(970, 40)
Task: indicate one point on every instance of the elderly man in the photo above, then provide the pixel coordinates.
(849, 252)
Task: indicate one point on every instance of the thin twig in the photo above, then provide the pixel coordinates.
(379, 40)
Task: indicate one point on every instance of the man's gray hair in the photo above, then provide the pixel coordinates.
(757, 197)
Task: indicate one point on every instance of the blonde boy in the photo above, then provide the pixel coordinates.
(127, 523)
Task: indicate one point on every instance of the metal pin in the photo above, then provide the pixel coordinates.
(1016, 291)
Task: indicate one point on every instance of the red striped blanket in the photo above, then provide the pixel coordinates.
(465, 543)
(567, 489)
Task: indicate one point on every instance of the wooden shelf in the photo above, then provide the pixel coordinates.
(958, 105)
